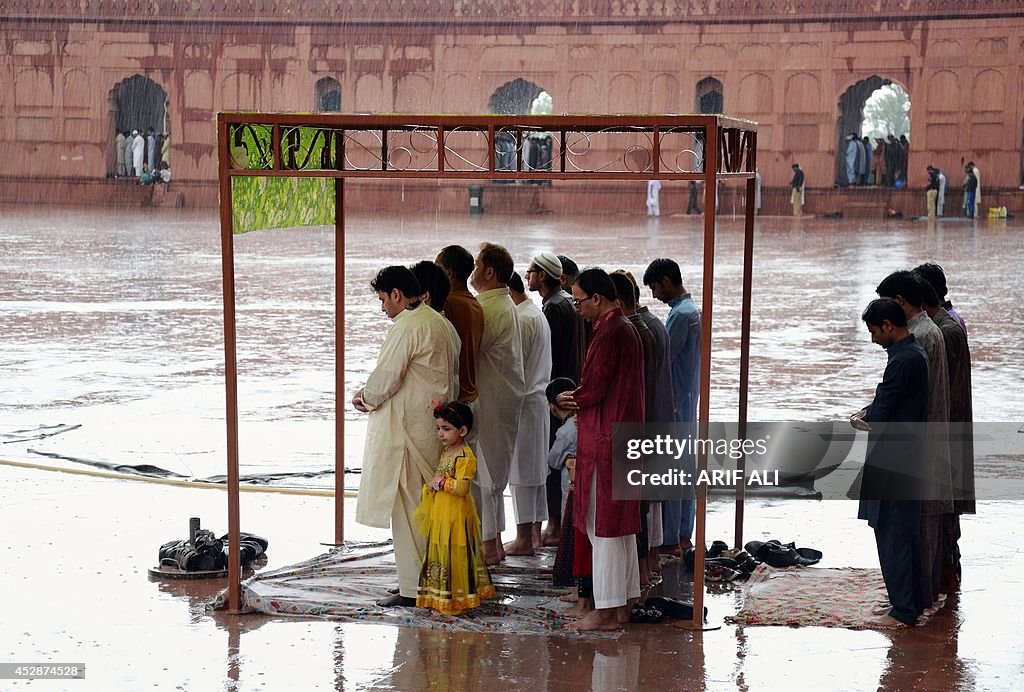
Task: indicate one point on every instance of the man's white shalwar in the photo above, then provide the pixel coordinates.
(414, 372)
(501, 383)
(138, 153)
(528, 476)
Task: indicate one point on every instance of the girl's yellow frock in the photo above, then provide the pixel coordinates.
(454, 577)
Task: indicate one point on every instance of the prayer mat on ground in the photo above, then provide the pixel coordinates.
(813, 596)
(345, 583)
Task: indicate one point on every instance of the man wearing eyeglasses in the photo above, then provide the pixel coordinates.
(611, 391)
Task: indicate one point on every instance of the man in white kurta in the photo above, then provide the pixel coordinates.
(528, 476)
(138, 152)
(413, 374)
(500, 381)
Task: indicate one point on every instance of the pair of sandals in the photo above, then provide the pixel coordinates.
(209, 553)
(777, 554)
(643, 614)
(722, 563)
(205, 554)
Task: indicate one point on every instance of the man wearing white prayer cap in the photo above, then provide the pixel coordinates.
(568, 347)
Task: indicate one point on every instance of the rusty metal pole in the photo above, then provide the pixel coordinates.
(748, 276)
(227, 253)
(339, 345)
(707, 305)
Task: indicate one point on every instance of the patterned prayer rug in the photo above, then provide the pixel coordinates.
(813, 596)
(345, 583)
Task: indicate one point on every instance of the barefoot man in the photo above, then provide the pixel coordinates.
(501, 381)
(611, 391)
(529, 472)
(414, 370)
(890, 494)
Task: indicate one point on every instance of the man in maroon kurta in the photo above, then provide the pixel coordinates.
(611, 391)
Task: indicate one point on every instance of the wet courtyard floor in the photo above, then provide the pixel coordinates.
(110, 325)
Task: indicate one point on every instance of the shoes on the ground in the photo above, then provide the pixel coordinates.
(645, 615)
(672, 608)
(776, 554)
(716, 572)
(717, 548)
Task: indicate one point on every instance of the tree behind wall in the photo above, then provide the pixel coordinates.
(887, 111)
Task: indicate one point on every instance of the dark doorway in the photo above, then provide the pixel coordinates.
(514, 98)
(328, 95)
(709, 97)
(139, 104)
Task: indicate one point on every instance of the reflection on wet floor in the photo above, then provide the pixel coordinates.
(112, 322)
(77, 590)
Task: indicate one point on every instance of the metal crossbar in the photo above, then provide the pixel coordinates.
(495, 147)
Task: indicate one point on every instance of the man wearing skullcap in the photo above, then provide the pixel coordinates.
(567, 349)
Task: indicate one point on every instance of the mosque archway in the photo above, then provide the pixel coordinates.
(875, 108)
(136, 103)
(520, 97)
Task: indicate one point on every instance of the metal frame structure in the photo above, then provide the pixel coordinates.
(467, 147)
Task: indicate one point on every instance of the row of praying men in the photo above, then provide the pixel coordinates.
(498, 352)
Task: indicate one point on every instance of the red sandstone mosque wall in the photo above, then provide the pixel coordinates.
(964, 76)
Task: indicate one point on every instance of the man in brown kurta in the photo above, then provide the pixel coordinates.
(464, 312)
(611, 391)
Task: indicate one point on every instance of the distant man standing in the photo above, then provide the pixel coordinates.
(940, 202)
(865, 176)
(970, 192)
(151, 149)
(119, 148)
(797, 194)
(684, 329)
(932, 191)
(129, 148)
(528, 476)
(413, 372)
(138, 153)
(502, 384)
(889, 499)
(653, 198)
(977, 188)
(853, 154)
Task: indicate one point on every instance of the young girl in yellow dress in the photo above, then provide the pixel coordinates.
(454, 577)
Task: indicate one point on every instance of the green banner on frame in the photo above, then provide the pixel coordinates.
(260, 203)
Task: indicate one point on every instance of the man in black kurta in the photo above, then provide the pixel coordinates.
(890, 491)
